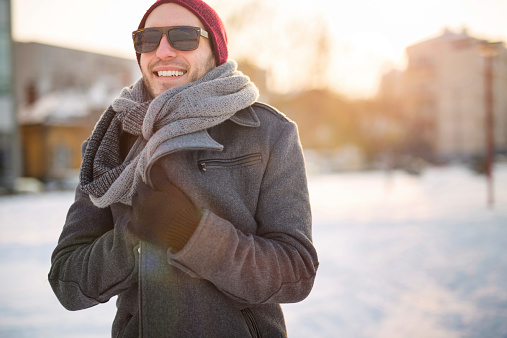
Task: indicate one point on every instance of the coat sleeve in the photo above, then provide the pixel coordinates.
(276, 265)
(95, 259)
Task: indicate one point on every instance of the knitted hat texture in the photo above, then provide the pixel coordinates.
(210, 19)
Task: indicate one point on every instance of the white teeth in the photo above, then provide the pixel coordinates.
(170, 73)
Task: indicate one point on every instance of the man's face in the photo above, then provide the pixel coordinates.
(187, 66)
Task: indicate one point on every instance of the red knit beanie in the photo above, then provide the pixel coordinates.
(210, 19)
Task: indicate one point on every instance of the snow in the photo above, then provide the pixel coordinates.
(56, 107)
(69, 104)
(400, 256)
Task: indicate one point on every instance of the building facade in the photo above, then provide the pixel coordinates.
(442, 99)
(60, 95)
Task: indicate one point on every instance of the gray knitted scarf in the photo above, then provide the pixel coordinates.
(175, 120)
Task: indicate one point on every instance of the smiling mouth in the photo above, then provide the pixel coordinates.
(170, 73)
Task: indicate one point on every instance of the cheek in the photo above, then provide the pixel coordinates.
(144, 61)
(206, 57)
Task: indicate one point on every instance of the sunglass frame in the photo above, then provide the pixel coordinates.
(165, 31)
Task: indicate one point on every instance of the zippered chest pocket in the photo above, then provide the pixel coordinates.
(237, 162)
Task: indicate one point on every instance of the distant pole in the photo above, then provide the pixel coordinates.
(488, 51)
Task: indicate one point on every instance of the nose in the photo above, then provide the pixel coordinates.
(165, 50)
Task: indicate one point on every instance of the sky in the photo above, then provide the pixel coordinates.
(368, 36)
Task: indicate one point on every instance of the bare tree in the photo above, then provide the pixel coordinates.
(295, 50)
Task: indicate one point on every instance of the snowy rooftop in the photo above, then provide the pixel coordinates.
(69, 105)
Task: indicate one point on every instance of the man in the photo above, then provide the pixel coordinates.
(193, 205)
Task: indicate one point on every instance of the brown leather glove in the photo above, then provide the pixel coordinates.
(164, 217)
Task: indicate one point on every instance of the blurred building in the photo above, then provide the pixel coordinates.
(441, 96)
(9, 160)
(60, 95)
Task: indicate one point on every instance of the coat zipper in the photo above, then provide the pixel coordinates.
(252, 324)
(139, 251)
(233, 162)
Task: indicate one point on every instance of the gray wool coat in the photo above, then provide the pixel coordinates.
(251, 251)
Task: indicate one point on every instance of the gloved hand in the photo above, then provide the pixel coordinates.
(164, 217)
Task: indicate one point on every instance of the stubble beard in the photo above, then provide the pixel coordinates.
(194, 76)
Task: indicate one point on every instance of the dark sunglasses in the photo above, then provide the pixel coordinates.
(183, 38)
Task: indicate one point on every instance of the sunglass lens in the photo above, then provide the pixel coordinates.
(147, 41)
(184, 38)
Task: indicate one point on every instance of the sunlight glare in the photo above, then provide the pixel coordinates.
(367, 37)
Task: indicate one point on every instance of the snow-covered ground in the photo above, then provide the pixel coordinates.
(400, 256)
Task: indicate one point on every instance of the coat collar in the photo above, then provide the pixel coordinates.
(246, 117)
